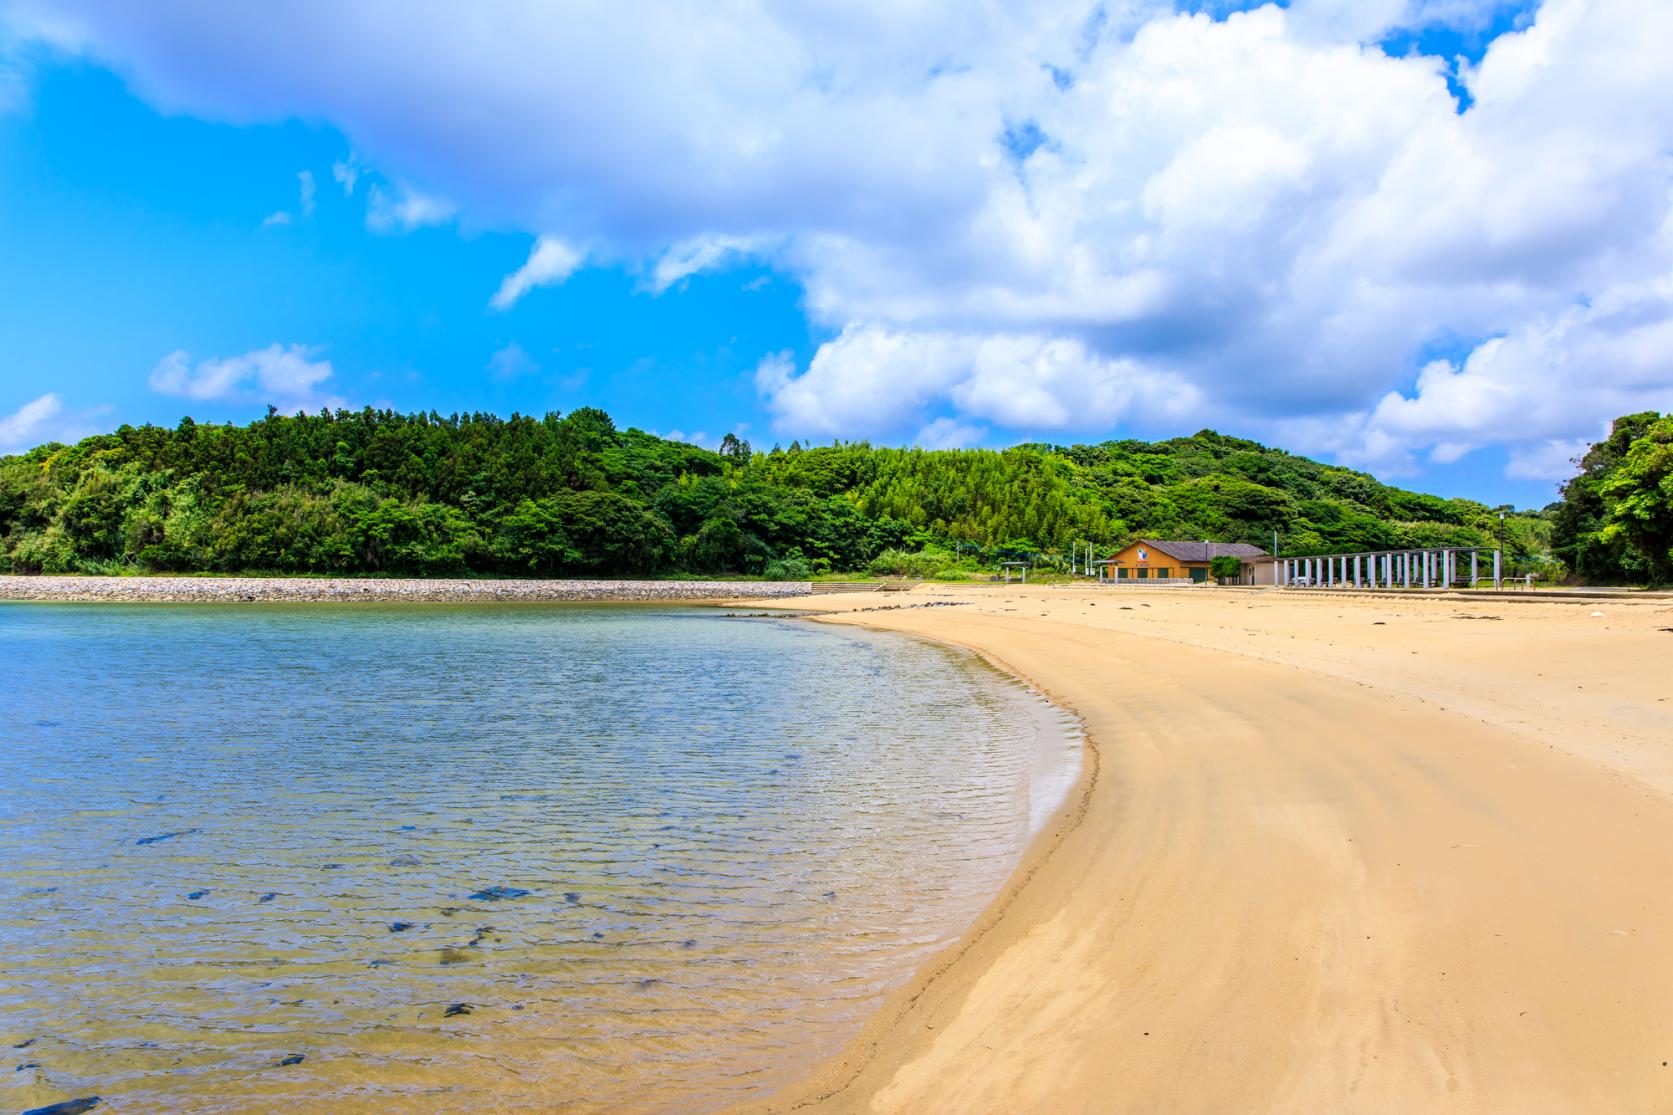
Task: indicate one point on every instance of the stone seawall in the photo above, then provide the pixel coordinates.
(282, 590)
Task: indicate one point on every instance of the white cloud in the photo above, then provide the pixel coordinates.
(877, 381)
(23, 427)
(286, 376)
(346, 174)
(948, 433)
(551, 261)
(305, 191)
(701, 253)
(1259, 221)
(1549, 460)
(404, 211)
(699, 439)
(43, 420)
(512, 361)
(276, 220)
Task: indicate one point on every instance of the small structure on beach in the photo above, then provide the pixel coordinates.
(1423, 567)
(1021, 567)
(1169, 562)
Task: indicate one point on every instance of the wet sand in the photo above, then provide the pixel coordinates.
(1329, 853)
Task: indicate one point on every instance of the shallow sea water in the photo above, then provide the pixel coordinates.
(232, 836)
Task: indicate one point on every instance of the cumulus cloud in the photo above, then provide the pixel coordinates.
(1039, 215)
(550, 261)
(881, 382)
(287, 376)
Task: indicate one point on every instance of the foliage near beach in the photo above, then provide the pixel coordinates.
(1615, 521)
(378, 492)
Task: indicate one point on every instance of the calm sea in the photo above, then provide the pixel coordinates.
(481, 858)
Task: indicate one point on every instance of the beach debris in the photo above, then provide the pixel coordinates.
(66, 1107)
(158, 840)
(1595, 615)
(268, 897)
(293, 1059)
(195, 895)
(456, 1008)
(1379, 623)
(401, 926)
(406, 861)
(495, 893)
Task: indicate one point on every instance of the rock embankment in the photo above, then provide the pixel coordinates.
(284, 590)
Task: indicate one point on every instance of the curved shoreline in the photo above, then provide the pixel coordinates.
(1372, 883)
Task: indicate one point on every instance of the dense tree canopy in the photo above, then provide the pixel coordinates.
(1615, 520)
(374, 491)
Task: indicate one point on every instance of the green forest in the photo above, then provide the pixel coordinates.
(373, 491)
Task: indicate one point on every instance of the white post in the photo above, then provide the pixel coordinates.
(1472, 569)
(1498, 580)
(1406, 565)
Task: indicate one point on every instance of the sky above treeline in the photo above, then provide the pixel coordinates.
(1428, 238)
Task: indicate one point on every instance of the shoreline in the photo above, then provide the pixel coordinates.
(380, 590)
(1310, 864)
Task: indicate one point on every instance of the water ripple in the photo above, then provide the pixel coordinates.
(665, 859)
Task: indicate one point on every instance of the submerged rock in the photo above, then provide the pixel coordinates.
(495, 893)
(66, 1107)
(456, 1008)
(293, 1059)
(195, 895)
(268, 897)
(156, 840)
(402, 926)
(406, 861)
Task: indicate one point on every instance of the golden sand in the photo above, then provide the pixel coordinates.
(1329, 854)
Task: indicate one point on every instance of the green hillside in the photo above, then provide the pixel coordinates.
(379, 492)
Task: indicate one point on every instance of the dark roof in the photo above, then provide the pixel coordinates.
(1203, 551)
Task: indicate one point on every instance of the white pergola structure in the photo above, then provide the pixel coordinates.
(1436, 567)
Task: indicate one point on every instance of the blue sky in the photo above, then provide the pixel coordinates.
(1429, 238)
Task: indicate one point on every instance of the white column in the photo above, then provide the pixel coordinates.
(1498, 579)
(1472, 568)
(1406, 565)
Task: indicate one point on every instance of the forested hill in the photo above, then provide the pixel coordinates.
(374, 491)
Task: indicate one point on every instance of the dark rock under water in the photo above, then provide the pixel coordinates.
(156, 840)
(66, 1107)
(495, 893)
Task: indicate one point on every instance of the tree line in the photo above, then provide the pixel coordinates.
(1614, 523)
(375, 491)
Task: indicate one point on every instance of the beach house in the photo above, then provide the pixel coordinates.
(1158, 559)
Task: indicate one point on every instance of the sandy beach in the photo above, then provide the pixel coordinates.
(1329, 854)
